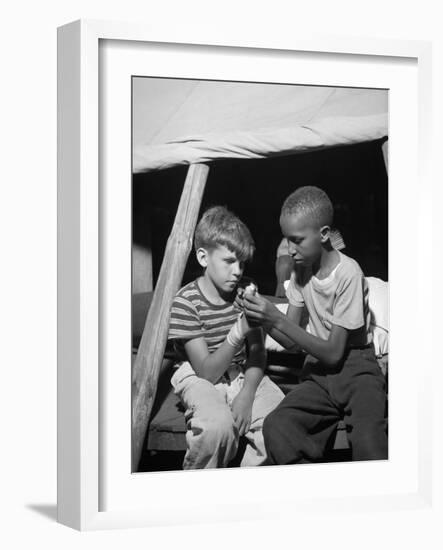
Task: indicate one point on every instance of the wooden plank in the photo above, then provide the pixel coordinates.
(152, 345)
(166, 441)
(170, 416)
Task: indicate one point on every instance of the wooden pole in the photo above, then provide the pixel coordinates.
(153, 342)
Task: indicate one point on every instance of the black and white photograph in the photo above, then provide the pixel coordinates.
(259, 274)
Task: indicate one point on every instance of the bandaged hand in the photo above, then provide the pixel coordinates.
(241, 327)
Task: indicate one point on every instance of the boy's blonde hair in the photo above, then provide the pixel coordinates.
(219, 226)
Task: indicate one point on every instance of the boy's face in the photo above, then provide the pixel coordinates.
(222, 267)
(304, 237)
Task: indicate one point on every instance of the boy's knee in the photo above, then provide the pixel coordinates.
(220, 430)
(283, 440)
(212, 440)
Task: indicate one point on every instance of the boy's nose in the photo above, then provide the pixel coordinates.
(292, 249)
(236, 269)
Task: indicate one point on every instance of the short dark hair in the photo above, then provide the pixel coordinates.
(312, 201)
(219, 226)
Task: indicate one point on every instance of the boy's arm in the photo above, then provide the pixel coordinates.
(329, 351)
(211, 366)
(256, 361)
(294, 314)
(283, 267)
(287, 332)
(186, 325)
(255, 366)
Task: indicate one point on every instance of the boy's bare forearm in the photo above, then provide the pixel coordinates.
(217, 363)
(253, 376)
(289, 335)
(283, 339)
(256, 361)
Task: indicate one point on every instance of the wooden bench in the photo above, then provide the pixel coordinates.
(167, 428)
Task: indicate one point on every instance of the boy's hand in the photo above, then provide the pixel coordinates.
(242, 411)
(260, 311)
(238, 302)
(251, 288)
(245, 327)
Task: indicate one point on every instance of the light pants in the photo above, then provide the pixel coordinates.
(212, 436)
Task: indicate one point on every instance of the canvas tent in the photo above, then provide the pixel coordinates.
(198, 122)
(204, 121)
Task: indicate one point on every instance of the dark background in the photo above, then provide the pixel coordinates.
(353, 176)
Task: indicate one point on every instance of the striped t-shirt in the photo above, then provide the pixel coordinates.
(193, 316)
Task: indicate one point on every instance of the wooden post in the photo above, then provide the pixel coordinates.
(152, 345)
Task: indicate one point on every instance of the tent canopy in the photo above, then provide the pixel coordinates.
(179, 122)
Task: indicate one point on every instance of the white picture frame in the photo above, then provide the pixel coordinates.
(82, 441)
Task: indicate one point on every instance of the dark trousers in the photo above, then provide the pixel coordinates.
(305, 422)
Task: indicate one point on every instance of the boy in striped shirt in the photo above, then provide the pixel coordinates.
(222, 388)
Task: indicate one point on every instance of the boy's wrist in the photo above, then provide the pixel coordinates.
(279, 320)
(236, 336)
(234, 339)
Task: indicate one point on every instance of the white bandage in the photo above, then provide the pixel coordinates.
(239, 329)
(236, 335)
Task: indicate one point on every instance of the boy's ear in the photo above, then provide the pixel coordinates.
(202, 257)
(325, 233)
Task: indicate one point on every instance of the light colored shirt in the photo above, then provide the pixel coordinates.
(341, 299)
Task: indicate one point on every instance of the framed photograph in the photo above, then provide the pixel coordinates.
(154, 130)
